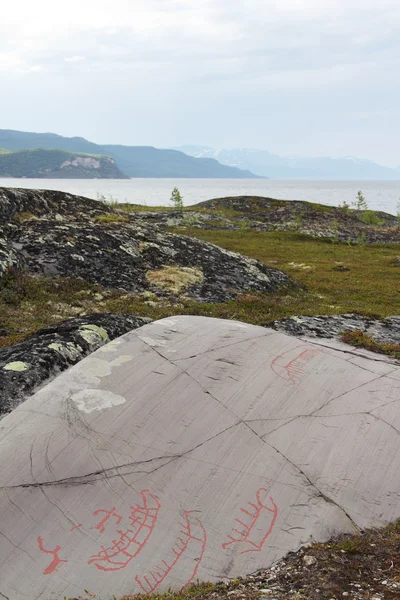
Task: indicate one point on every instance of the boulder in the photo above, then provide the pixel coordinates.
(57, 234)
(192, 448)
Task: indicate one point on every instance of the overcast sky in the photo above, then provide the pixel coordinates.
(302, 77)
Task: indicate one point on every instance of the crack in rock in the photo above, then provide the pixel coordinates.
(113, 471)
(320, 493)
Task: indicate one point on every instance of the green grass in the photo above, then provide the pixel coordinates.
(127, 207)
(360, 339)
(111, 218)
(370, 286)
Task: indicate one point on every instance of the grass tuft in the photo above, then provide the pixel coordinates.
(360, 339)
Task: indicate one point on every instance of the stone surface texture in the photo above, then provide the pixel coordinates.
(193, 448)
(268, 214)
(56, 234)
(26, 366)
(332, 326)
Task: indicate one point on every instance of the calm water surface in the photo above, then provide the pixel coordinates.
(380, 195)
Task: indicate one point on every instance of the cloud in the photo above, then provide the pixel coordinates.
(74, 58)
(245, 59)
(288, 35)
(9, 61)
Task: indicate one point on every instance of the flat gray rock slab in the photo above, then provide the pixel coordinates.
(192, 448)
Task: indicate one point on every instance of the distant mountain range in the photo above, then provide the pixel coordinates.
(133, 161)
(54, 164)
(266, 164)
(91, 160)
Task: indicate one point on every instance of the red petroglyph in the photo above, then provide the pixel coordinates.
(56, 559)
(77, 527)
(290, 365)
(109, 513)
(248, 534)
(194, 538)
(131, 542)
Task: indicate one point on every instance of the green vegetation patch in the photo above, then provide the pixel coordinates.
(109, 219)
(338, 279)
(367, 281)
(360, 339)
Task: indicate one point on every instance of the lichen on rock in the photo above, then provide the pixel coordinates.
(27, 365)
(332, 326)
(135, 255)
(17, 366)
(99, 331)
(175, 279)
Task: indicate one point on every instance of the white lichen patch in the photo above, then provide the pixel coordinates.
(68, 350)
(120, 360)
(297, 319)
(17, 366)
(175, 279)
(167, 250)
(130, 248)
(254, 270)
(100, 331)
(300, 266)
(8, 257)
(96, 367)
(78, 257)
(90, 400)
(93, 334)
(92, 338)
(144, 245)
(173, 222)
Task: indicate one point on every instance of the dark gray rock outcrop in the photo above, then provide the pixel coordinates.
(331, 327)
(267, 214)
(25, 366)
(57, 234)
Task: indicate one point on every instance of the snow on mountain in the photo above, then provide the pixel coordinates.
(267, 164)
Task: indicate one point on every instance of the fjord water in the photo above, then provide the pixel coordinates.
(380, 195)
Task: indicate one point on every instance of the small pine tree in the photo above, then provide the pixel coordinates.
(176, 199)
(360, 203)
(345, 206)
